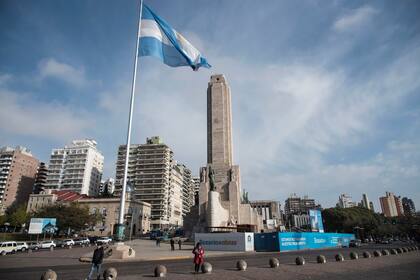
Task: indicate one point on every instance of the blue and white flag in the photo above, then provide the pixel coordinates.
(160, 40)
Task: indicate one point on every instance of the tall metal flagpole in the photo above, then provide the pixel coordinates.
(121, 226)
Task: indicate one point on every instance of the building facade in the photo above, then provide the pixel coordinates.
(345, 201)
(157, 179)
(269, 211)
(298, 205)
(408, 206)
(365, 203)
(137, 215)
(77, 167)
(391, 205)
(41, 178)
(18, 168)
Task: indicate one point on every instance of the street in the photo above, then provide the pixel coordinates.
(64, 262)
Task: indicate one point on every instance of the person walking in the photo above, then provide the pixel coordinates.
(179, 244)
(97, 259)
(198, 252)
(157, 241)
(172, 244)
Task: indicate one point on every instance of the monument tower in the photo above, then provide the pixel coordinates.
(220, 202)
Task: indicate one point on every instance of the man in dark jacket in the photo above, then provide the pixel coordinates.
(97, 259)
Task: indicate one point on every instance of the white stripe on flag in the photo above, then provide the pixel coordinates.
(150, 28)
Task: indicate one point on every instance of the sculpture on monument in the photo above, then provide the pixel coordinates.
(212, 180)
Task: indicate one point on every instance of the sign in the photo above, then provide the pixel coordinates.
(313, 240)
(233, 241)
(315, 218)
(42, 225)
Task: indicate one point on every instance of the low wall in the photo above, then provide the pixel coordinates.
(234, 241)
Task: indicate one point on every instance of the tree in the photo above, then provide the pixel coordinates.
(69, 216)
(19, 217)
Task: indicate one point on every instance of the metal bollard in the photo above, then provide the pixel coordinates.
(366, 255)
(377, 253)
(300, 261)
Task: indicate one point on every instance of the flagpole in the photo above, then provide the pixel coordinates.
(120, 226)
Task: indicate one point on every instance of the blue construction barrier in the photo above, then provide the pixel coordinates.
(292, 241)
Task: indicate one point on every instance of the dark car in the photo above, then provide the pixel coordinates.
(355, 243)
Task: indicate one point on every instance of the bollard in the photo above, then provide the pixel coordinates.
(110, 273)
(399, 250)
(241, 265)
(160, 271)
(321, 259)
(206, 267)
(366, 255)
(377, 253)
(52, 248)
(394, 252)
(69, 247)
(354, 255)
(300, 261)
(274, 262)
(404, 249)
(385, 252)
(339, 258)
(49, 275)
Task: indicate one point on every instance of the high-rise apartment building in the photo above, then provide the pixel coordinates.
(345, 201)
(77, 167)
(391, 205)
(196, 182)
(18, 168)
(365, 203)
(408, 206)
(41, 178)
(157, 179)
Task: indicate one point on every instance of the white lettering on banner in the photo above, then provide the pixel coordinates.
(319, 240)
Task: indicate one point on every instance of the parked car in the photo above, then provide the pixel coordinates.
(48, 244)
(34, 245)
(84, 241)
(22, 246)
(103, 240)
(355, 243)
(93, 239)
(8, 247)
(65, 243)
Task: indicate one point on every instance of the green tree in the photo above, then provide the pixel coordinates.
(71, 216)
(19, 216)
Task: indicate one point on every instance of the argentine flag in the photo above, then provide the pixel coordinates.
(160, 40)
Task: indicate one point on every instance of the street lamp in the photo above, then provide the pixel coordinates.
(5, 230)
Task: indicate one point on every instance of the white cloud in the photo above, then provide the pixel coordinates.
(354, 18)
(51, 68)
(5, 78)
(22, 116)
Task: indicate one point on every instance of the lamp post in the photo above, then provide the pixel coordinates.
(5, 230)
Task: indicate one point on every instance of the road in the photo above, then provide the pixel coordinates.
(404, 266)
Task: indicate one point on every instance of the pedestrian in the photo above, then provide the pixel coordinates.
(179, 243)
(157, 241)
(172, 244)
(97, 259)
(198, 252)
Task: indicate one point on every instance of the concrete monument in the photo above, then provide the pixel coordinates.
(220, 202)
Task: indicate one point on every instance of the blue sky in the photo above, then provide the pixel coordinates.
(325, 93)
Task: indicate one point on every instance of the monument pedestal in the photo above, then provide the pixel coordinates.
(121, 251)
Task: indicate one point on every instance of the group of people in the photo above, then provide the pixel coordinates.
(98, 257)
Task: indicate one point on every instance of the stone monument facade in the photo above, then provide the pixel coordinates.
(220, 202)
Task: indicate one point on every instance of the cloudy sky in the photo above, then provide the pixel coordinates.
(325, 94)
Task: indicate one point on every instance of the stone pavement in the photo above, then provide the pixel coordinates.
(146, 250)
(390, 267)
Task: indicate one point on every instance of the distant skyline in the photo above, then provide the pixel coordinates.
(325, 94)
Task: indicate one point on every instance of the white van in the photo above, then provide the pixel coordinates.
(8, 247)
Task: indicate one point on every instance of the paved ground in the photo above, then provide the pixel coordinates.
(405, 266)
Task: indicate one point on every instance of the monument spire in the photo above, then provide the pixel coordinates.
(219, 122)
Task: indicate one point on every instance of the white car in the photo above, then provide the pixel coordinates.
(22, 246)
(103, 240)
(8, 247)
(48, 244)
(67, 243)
